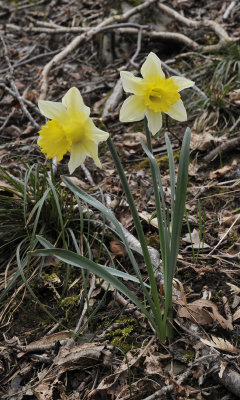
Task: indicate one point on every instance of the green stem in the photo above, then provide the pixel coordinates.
(164, 237)
(156, 311)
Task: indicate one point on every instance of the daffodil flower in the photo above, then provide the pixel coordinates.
(70, 129)
(153, 95)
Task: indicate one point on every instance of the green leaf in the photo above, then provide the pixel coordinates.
(77, 261)
(82, 262)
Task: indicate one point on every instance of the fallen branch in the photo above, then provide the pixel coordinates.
(218, 29)
(85, 36)
(222, 148)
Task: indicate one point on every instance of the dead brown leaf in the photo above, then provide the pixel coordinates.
(234, 96)
(195, 240)
(220, 172)
(204, 312)
(84, 354)
(228, 218)
(78, 182)
(236, 315)
(202, 141)
(221, 344)
(117, 248)
(148, 218)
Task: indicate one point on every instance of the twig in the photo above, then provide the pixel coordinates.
(229, 10)
(223, 147)
(27, 102)
(163, 35)
(218, 29)
(12, 83)
(24, 109)
(225, 234)
(113, 100)
(234, 125)
(88, 175)
(83, 37)
(7, 119)
(166, 389)
(91, 289)
(139, 43)
(29, 60)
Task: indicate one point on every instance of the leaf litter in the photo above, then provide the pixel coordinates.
(203, 360)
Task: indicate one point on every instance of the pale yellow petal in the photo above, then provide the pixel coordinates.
(154, 121)
(92, 151)
(131, 83)
(133, 109)
(77, 157)
(177, 111)
(99, 136)
(152, 68)
(183, 83)
(73, 101)
(52, 110)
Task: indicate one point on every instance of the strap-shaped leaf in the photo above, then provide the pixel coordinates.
(82, 262)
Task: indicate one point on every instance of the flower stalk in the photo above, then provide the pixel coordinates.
(72, 130)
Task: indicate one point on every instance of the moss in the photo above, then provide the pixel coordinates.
(122, 336)
(51, 277)
(134, 3)
(68, 304)
(190, 355)
(153, 240)
(69, 301)
(162, 161)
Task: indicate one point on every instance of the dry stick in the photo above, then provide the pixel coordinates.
(218, 29)
(6, 120)
(29, 60)
(223, 147)
(229, 10)
(12, 83)
(166, 389)
(139, 43)
(13, 94)
(226, 233)
(88, 175)
(91, 289)
(83, 37)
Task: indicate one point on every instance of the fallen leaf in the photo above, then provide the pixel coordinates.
(148, 218)
(234, 289)
(194, 313)
(234, 96)
(223, 366)
(86, 354)
(203, 312)
(117, 248)
(202, 141)
(197, 243)
(236, 315)
(220, 172)
(77, 182)
(221, 344)
(228, 218)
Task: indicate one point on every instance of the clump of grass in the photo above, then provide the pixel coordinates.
(218, 74)
(35, 204)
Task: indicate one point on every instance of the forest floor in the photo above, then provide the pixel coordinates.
(48, 47)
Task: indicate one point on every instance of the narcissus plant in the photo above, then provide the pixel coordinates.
(70, 129)
(153, 94)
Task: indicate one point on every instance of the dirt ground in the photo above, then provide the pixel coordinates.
(48, 47)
